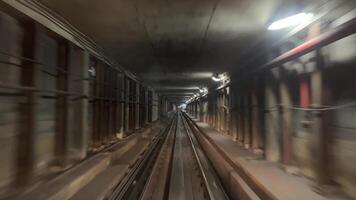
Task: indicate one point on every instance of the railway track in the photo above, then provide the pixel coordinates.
(173, 167)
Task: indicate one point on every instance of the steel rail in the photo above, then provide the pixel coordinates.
(211, 196)
(184, 177)
(122, 190)
(157, 184)
(191, 169)
(218, 186)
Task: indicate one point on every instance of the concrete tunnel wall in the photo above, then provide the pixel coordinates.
(78, 103)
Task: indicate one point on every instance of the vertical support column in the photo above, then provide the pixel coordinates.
(62, 106)
(272, 117)
(11, 37)
(30, 76)
(212, 110)
(218, 113)
(256, 130)
(247, 127)
(96, 106)
(206, 104)
(105, 104)
(221, 112)
(127, 109)
(190, 108)
(150, 106)
(198, 110)
(201, 110)
(319, 139)
(113, 104)
(154, 106)
(141, 106)
(146, 106)
(137, 106)
(237, 113)
(233, 113)
(79, 64)
(195, 109)
(241, 118)
(286, 122)
(133, 105)
(319, 146)
(100, 117)
(164, 109)
(121, 105)
(227, 111)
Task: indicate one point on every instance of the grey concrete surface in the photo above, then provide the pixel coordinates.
(172, 40)
(268, 175)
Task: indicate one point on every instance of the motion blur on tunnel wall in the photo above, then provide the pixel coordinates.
(276, 77)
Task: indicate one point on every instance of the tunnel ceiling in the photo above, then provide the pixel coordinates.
(174, 46)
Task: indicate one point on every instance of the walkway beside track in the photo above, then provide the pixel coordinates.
(268, 176)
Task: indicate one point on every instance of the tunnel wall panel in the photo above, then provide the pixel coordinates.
(10, 41)
(59, 103)
(341, 126)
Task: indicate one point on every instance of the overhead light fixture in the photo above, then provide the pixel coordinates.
(216, 77)
(92, 71)
(182, 106)
(203, 90)
(291, 21)
(219, 77)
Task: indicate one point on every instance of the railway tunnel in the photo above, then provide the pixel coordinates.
(189, 99)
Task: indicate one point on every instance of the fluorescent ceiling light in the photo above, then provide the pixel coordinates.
(203, 90)
(215, 79)
(219, 77)
(291, 21)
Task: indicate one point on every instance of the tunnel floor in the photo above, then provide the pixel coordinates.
(181, 158)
